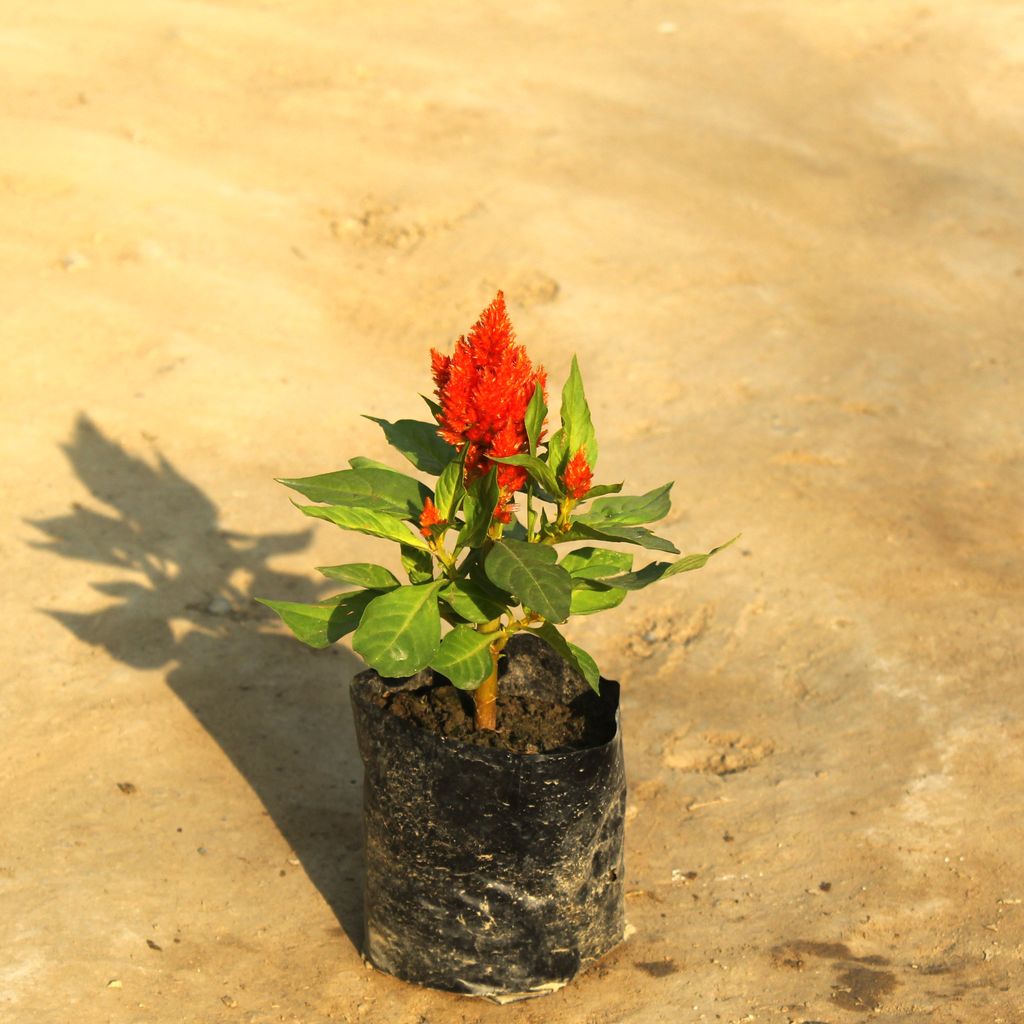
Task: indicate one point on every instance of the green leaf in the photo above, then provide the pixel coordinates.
(540, 471)
(558, 454)
(365, 520)
(362, 462)
(613, 533)
(598, 489)
(589, 599)
(361, 574)
(418, 564)
(449, 489)
(471, 601)
(579, 430)
(596, 563)
(419, 442)
(434, 408)
(477, 510)
(514, 529)
(401, 630)
(662, 570)
(535, 413)
(321, 624)
(629, 510)
(528, 571)
(575, 656)
(382, 490)
(464, 657)
(489, 590)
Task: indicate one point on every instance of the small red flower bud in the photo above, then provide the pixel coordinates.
(429, 518)
(577, 476)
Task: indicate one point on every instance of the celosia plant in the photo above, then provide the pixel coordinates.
(471, 561)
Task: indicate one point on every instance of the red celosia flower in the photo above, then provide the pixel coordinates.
(484, 388)
(577, 476)
(429, 518)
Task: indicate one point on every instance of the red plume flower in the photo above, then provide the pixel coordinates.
(429, 517)
(577, 477)
(484, 388)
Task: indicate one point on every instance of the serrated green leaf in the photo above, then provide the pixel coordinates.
(662, 570)
(419, 442)
(590, 596)
(596, 563)
(418, 564)
(381, 490)
(539, 471)
(613, 533)
(449, 490)
(361, 574)
(478, 510)
(629, 509)
(579, 430)
(575, 656)
(529, 572)
(364, 520)
(471, 601)
(464, 657)
(534, 421)
(400, 631)
(321, 624)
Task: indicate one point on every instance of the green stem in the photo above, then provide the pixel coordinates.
(438, 550)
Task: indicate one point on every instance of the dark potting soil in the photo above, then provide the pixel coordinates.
(526, 725)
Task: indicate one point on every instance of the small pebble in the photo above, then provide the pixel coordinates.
(219, 606)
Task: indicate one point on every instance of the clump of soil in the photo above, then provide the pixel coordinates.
(526, 725)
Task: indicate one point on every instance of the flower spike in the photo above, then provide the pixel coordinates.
(484, 389)
(578, 477)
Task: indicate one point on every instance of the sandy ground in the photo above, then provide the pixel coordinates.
(786, 240)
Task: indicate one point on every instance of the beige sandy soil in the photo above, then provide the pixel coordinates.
(786, 241)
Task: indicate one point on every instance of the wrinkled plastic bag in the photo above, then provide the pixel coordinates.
(487, 872)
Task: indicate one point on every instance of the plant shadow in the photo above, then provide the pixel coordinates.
(279, 710)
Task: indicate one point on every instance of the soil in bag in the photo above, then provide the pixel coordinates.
(526, 724)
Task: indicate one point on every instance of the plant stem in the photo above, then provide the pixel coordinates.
(438, 550)
(485, 698)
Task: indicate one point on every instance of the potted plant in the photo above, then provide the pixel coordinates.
(494, 787)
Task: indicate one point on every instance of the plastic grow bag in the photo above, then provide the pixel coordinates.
(487, 872)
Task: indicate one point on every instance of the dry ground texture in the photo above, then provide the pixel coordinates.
(786, 240)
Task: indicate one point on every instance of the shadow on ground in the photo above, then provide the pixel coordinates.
(278, 710)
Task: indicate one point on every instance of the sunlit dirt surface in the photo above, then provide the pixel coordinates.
(786, 241)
